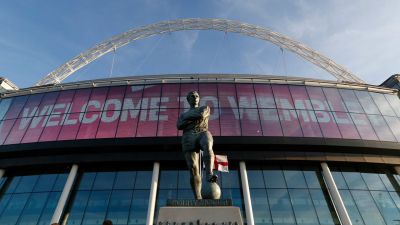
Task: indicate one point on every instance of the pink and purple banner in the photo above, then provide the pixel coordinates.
(237, 110)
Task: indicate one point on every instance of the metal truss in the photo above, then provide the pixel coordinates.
(223, 25)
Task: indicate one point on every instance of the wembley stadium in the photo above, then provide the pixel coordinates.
(301, 151)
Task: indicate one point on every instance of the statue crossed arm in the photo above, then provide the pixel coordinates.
(196, 137)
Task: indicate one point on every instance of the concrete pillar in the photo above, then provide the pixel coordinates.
(246, 193)
(334, 192)
(64, 195)
(153, 194)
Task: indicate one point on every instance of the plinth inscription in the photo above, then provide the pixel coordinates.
(199, 202)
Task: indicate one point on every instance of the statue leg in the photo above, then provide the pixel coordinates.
(192, 161)
(206, 143)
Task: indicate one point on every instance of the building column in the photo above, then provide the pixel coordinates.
(2, 171)
(64, 195)
(246, 193)
(153, 194)
(334, 192)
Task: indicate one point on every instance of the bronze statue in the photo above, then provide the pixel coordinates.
(196, 137)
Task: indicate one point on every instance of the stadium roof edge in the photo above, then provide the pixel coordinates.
(183, 78)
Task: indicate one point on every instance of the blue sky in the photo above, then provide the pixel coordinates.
(37, 36)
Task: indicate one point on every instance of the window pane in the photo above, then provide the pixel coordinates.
(250, 122)
(281, 209)
(97, 99)
(294, 179)
(274, 179)
(346, 125)
(151, 94)
(256, 179)
(300, 97)
(89, 124)
(45, 182)
(128, 123)
(230, 180)
(260, 205)
(317, 98)
(147, 126)
(78, 208)
(86, 181)
(351, 207)
(26, 184)
(125, 180)
(18, 130)
(16, 107)
(104, 181)
(171, 93)
(80, 100)
(334, 99)
(303, 207)
(282, 96)
(327, 124)
(95, 212)
(394, 101)
(33, 209)
(31, 106)
(367, 208)
(386, 206)
(229, 119)
(270, 122)
(5, 127)
(373, 181)
(183, 179)
(382, 104)
(108, 124)
(339, 180)
(367, 102)
(133, 98)
(381, 128)
(309, 124)
(168, 179)
(227, 95)
(4, 106)
(139, 205)
(326, 214)
(394, 125)
(167, 122)
(14, 208)
(351, 101)
(143, 180)
(363, 126)
(70, 127)
(246, 96)
(354, 180)
(114, 99)
(118, 209)
(49, 208)
(265, 98)
(312, 179)
(290, 123)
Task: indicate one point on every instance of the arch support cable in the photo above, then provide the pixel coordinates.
(63, 71)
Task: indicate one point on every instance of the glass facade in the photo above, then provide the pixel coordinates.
(280, 195)
(30, 200)
(238, 109)
(289, 195)
(121, 196)
(372, 197)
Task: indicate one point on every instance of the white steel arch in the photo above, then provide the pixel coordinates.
(224, 25)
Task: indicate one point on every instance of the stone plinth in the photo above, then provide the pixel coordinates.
(199, 212)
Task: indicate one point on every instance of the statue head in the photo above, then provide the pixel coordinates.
(193, 98)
